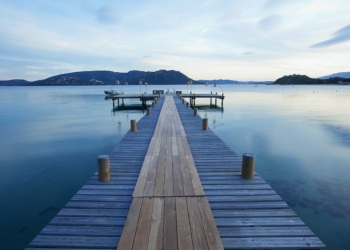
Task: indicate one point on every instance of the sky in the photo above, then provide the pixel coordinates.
(245, 40)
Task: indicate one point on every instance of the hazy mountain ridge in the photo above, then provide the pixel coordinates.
(161, 77)
(339, 74)
(226, 81)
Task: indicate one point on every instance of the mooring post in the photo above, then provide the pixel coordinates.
(205, 123)
(123, 101)
(104, 172)
(211, 92)
(153, 104)
(148, 111)
(183, 100)
(187, 104)
(133, 126)
(195, 112)
(155, 100)
(248, 161)
(118, 102)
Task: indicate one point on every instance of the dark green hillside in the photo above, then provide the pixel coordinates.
(303, 79)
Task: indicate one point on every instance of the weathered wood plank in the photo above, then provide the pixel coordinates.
(210, 229)
(197, 229)
(170, 228)
(156, 232)
(144, 225)
(159, 182)
(129, 230)
(183, 223)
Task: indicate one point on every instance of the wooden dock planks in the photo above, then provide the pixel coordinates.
(212, 207)
(181, 218)
(95, 217)
(248, 214)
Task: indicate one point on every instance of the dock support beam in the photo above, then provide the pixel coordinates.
(104, 172)
(248, 161)
(133, 126)
(205, 123)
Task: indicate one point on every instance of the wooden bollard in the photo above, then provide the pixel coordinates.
(153, 104)
(155, 101)
(133, 126)
(205, 123)
(187, 104)
(104, 172)
(183, 100)
(248, 161)
(148, 111)
(195, 111)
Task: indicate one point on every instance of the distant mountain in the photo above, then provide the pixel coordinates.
(161, 77)
(340, 74)
(221, 81)
(303, 79)
(15, 82)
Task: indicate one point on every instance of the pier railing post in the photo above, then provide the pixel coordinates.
(133, 126)
(195, 112)
(205, 123)
(148, 111)
(248, 162)
(103, 168)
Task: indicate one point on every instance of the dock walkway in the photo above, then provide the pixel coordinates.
(162, 179)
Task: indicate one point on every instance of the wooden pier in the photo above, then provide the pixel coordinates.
(175, 186)
(143, 97)
(192, 97)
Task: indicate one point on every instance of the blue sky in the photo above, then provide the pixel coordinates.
(212, 39)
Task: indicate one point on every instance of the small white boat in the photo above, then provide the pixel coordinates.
(111, 93)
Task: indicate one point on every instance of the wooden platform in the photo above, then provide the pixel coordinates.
(202, 96)
(175, 186)
(169, 208)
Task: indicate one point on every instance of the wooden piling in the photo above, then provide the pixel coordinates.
(103, 168)
(133, 125)
(187, 104)
(153, 104)
(183, 100)
(195, 111)
(248, 161)
(205, 123)
(148, 111)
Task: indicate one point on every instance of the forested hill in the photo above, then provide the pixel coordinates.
(161, 77)
(303, 79)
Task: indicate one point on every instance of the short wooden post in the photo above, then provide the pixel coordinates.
(187, 104)
(153, 104)
(205, 123)
(133, 125)
(148, 111)
(195, 111)
(183, 100)
(248, 161)
(155, 101)
(211, 92)
(104, 172)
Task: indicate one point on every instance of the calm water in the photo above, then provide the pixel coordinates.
(50, 137)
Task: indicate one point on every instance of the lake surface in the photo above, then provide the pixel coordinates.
(51, 136)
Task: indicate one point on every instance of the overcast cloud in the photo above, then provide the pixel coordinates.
(238, 40)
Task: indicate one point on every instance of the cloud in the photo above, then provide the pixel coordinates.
(203, 32)
(106, 15)
(340, 36)
(275, 3)
(248, 53)
(270, 22)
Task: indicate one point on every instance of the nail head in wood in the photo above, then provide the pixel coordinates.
(248, 162)
(103, 168)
